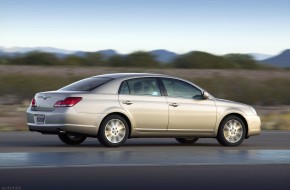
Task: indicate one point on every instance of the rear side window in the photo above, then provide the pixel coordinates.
(87, 84)
(124, 88)
(141, 86)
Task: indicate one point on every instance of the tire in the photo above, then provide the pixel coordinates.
(187, 140)
(71, 138)
(232, 131)
(114, 131)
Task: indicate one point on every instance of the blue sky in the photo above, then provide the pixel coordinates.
(215, 26)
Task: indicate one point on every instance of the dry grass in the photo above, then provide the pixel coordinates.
(185, 73)
(275, 118)
(259, 87)
(12, 117)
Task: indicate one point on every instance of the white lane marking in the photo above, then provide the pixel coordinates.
(141, 165)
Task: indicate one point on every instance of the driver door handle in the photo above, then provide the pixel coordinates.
(127, 102)
(174, 104)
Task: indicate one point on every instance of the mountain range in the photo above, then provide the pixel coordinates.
(281, 60)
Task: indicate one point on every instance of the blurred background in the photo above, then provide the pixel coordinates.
(234, 50)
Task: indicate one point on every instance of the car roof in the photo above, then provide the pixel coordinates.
(128, 75)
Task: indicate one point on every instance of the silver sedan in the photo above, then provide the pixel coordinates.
(115, 107)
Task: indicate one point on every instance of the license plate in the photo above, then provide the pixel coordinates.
(39, 119)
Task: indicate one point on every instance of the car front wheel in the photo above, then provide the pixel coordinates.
(71, 138)
(113, 131)
(232, 131)
(187, 140)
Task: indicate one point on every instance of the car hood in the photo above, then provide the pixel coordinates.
(222, 102)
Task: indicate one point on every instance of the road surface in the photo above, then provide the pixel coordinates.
(34, 161)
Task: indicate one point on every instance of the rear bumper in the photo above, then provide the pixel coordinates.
(63, 119)
(55, 129)
(254, 125)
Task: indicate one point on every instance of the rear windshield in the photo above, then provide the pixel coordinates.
(87, 84)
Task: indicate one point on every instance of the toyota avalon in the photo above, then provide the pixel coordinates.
(115, 107)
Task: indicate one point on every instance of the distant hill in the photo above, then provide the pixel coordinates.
(106, 53)
(260, 56)
(163, 56)
(3, 53)
(281, 60)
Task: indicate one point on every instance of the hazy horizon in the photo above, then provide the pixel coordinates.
(15, 49)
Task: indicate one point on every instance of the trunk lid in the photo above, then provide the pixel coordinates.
(45, 100)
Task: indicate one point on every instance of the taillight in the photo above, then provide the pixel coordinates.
(33, 102)
(68, 102)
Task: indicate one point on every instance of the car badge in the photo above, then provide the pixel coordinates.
(43, 97)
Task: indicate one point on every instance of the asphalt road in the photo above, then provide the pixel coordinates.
(34, 161)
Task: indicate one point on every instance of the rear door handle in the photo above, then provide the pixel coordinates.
(127, 102)
(174, 104)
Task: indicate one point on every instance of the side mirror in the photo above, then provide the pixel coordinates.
(205, 95)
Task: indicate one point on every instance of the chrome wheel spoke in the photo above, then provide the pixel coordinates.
(238, 126)
(109, 128)
(108, 133)
(117, 138)
(235, 138)
(120, 128)
(112, 138)
(227, 126)
(231, 124)
(227, 134)
(121, 135)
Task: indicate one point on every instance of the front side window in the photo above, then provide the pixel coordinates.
(141, 86)
(87, 84)
(178, 88)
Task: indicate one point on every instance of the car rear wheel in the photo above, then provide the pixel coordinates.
(189, 140)
(71, 138)
(113, 131)
(232, 131)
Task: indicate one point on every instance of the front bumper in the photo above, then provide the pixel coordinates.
(63, 119)
(254, 125)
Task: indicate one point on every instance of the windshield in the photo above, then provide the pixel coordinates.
(87, 84)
